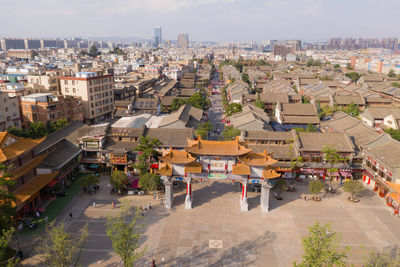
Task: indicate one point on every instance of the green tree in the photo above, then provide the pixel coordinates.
(198, 101)
(395, 134)
(147, 148)
(258, 102)
(315, 187)
(245, 78)
(125, 234)
(7, 199)
(60, 248)
(93, 52)
(233, 108)
(353, 76)
(321, 248)
(281, 186)
(87, 181)
(397, 85)
(352, 109)
(150, 181)
(305, 100)
(37, 130)
(230, 132)
(386, 258)
(353, 187)
(332, 157)
(391, 74)
(295, 159)
(7, 253)
(203, 129)
(349, 67)
(336, 66)
(177, 103)
(326, 78)
(119, 181)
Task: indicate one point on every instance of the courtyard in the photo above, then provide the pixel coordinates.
(216, 233)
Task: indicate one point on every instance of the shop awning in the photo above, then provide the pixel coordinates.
(287, 175)
(94, 166)
(135, 184)
(333, 173)
(52, 183)
(29, 189)
(346, 174)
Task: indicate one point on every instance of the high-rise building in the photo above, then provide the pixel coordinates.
(183, 40)
(157, 36)
(96, 91)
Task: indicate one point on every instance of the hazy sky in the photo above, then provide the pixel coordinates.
(214, 20)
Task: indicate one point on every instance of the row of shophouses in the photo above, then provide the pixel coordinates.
(39, 165)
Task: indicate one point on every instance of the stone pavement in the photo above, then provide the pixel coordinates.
(216, 233)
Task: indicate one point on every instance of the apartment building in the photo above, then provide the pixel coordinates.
(49, 82)
(95, 90)
(9, 112)
(48, 107)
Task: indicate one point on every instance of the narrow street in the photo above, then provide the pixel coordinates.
(216, 110)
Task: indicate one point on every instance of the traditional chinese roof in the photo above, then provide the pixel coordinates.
(29, 189)
(241, 169)
(12, 146)
(270, 174)
(176, 157)
(165, 169)
(193, 167)
(257, 159)
(216, 148)
(393, 186)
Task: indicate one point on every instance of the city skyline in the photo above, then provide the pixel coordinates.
(232, 21)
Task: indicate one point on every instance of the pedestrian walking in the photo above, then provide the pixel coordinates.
(112, 204)
(145, 206)
(149, 206)
(70, 215)
(94, 204)
(153, 263)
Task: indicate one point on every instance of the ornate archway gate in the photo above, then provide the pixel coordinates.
(217, 160)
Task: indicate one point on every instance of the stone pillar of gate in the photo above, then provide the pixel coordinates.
(244, 206)
(264, 199)
(169, 191)
(189, 194)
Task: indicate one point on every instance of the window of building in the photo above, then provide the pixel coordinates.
(6, 109)
(66, 89)
(65, 82)
(92, 113)
(74, 90)
(73, 82)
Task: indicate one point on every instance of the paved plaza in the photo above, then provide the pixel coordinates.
(216, 233)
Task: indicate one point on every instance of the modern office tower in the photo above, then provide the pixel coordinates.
(183, 40)
(157, 36)
(95, 88)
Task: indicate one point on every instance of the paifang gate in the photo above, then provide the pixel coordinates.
(217, 160)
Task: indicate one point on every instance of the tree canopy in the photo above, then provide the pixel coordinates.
(392, 74)
(197, 100)
(313, 63)
(147, 151)
(88, 180)
(60, 248)
(119, 180)
(230, 132)
(38, 129)
(353, 187)
(7, 200)
(353, 76)
(395, 134)
(125, 234)
(93, 52)
(233, 108)
(321, 247)
(150, 181)
(203, 129)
